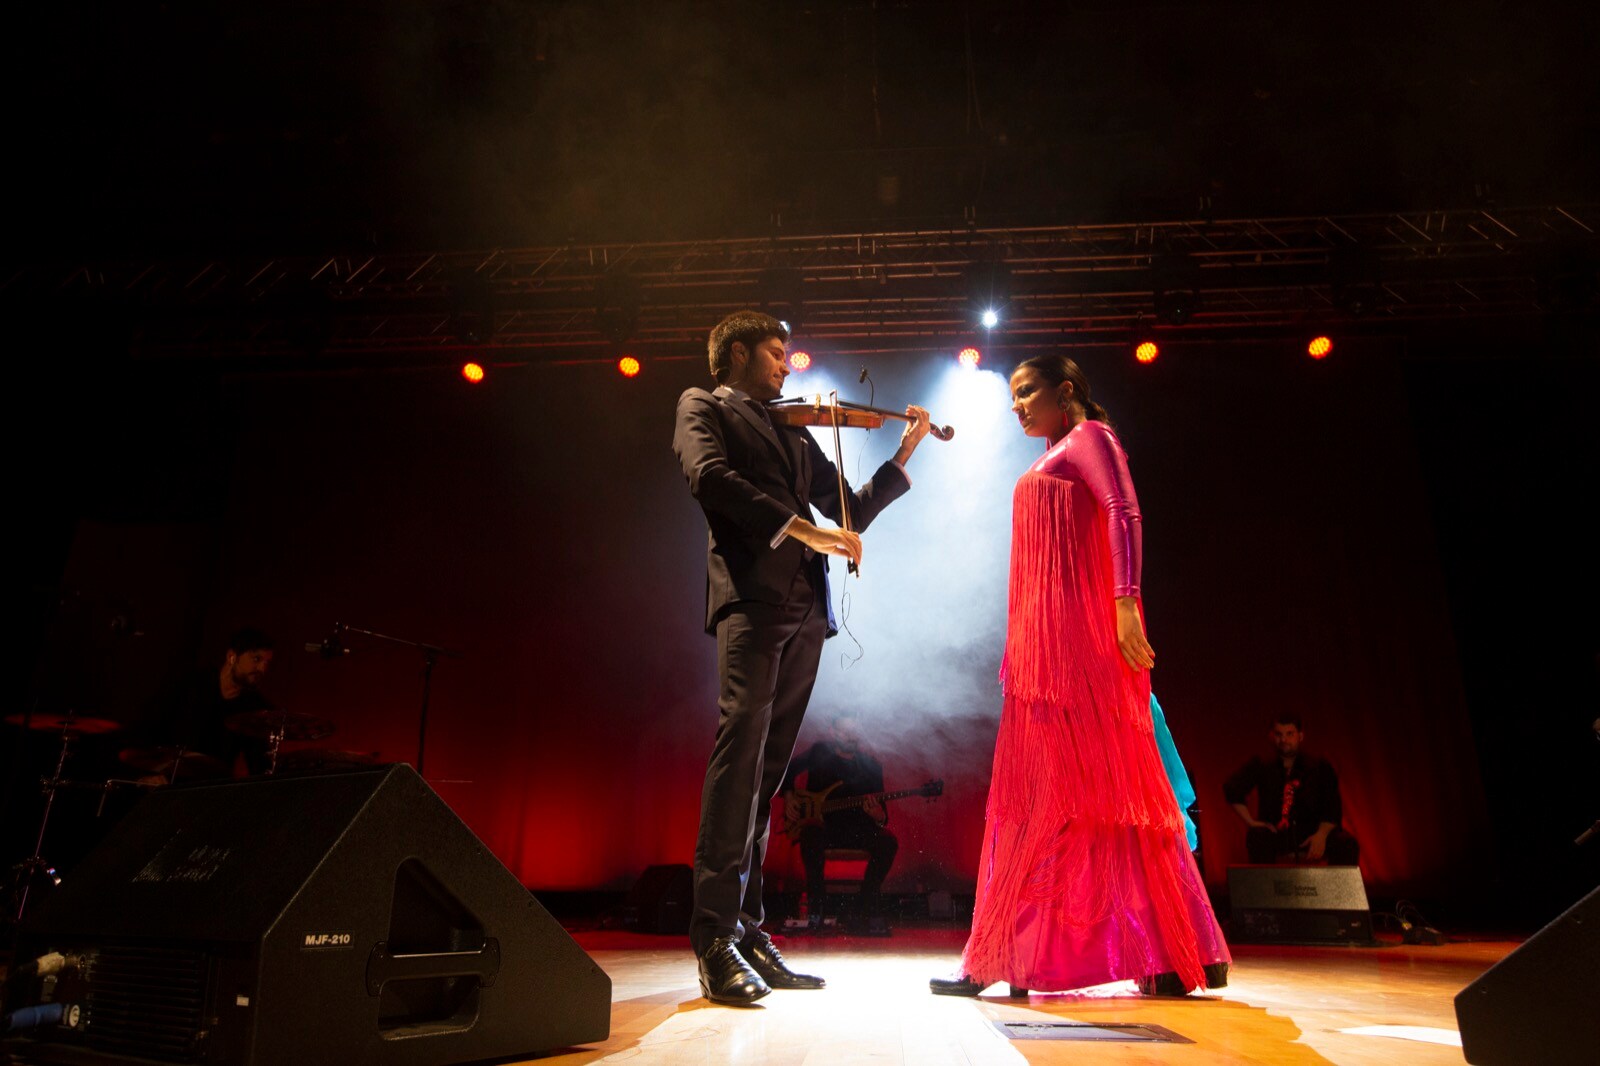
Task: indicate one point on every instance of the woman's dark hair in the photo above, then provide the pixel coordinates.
(748, 328)
(1056, 368)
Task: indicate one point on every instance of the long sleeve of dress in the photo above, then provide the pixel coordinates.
(1104, 470)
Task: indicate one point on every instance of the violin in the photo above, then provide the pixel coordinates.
(841, 414)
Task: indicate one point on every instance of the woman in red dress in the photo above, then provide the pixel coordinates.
(1085, 875)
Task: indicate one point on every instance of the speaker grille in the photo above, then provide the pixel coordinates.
(147, 1001)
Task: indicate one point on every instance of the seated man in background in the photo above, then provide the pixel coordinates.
(1297, 803)
(840, 768)
(193, 719)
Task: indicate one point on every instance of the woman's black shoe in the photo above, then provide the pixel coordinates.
(1217, 975)
(1018, 993)
(1162, 984)
(955, 986)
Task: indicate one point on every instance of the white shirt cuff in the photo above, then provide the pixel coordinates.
(783, 532)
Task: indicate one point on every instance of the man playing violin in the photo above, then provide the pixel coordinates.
(767, 604)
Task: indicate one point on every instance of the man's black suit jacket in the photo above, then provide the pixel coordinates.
(749, 478)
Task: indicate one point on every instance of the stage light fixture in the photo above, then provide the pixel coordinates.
(970, 358)
(1319, 347)
(472, 372)
(1146, 351)
(781, 294)
(628, 366)
(472, 308)
(1567, 278)
(988, 292)
(1357, 287)
(618, 299)
(1176, 288)
(799, 361)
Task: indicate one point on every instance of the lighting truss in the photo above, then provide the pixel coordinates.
(862, 291)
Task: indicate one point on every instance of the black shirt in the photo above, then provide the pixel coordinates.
(195, 717)
(824, 765)
(1300, 798)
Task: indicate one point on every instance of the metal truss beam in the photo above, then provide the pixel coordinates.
(856, 291)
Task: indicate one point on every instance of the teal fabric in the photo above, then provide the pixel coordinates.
(1176, 774)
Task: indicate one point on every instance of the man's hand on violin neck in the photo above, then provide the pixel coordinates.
(829, 541)
(918, 428)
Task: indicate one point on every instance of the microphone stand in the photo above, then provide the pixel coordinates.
(431, 654)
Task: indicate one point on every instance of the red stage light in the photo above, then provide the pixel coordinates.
(629, 366)
(799, 361)
(970, 358)
(472, 372)
(1147, 351)
(1319, 347)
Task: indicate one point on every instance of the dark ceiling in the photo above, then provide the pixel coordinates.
(265, 125)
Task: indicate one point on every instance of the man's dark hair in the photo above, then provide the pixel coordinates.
(249, 639)
(1288, 718)
(748, 328)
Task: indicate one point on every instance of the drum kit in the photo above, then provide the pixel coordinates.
(163, 765)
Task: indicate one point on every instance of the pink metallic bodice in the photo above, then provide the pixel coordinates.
(1092, 456)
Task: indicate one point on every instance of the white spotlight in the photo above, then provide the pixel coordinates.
(991, 318)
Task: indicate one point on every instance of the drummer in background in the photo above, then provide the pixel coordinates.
(194, 719)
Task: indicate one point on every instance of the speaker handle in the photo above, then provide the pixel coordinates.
(384, 966)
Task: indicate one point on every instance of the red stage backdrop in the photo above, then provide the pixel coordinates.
(538, 523)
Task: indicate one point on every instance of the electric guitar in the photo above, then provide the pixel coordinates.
(802, 808)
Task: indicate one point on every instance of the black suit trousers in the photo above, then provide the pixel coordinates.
(767, 657)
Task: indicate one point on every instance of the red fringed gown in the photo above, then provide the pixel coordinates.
(1085, 876)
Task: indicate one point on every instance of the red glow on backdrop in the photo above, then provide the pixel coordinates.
(472, 372)
(799, 361)
(1146, 352)
(1319, 347)
(970, 358)
(628, 366)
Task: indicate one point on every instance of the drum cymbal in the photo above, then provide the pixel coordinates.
(296, 725)
(307, 759)
(164, 761)
(55, 723)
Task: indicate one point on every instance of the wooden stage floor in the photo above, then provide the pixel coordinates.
(1284, 1006)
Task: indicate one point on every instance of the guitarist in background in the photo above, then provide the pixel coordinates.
(840, 761)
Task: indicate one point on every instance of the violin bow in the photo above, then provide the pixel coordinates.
(838, 469)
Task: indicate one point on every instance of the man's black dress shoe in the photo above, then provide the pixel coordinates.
(961, 985)
(725, 977)
(763, 955)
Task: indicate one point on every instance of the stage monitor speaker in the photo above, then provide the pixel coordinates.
(1537, 1005)
(343, 919)
(661, 900)
(1299, 905)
